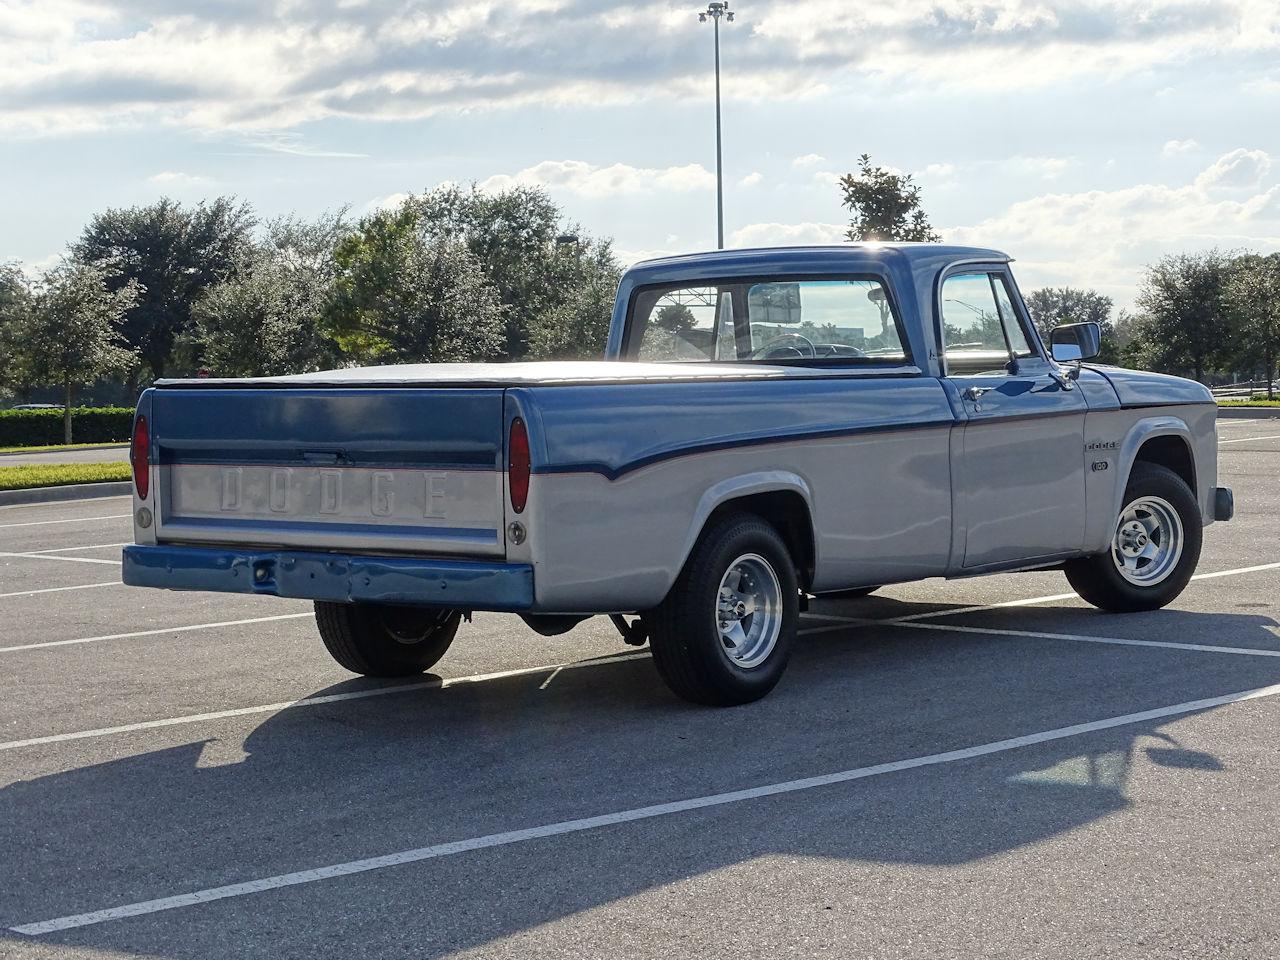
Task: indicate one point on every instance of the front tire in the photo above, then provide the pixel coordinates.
(382, 640)
(1154, 549)
(724, 633)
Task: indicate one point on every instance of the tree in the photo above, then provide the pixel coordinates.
(403, 296)
(519, 237)
(1253, 299)
(885, 205)
(1053, 306)
(15, 306)
(577, 327)
(173, 254)
(1186, 326)
(72, 330)
(675, 317)
(267, 319)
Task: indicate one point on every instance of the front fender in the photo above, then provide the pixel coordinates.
(735, 488)
(1142, 431)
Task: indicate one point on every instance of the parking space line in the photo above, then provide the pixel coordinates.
(105, 501)
(432, 684)
(633, 815)
(83, 546)
(1044, 635)
(155, 633)
(78, 586)
(1049, 598)
(43, 523)
(45, 556)
(1247, 439)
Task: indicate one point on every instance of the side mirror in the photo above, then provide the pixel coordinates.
(1075, 341)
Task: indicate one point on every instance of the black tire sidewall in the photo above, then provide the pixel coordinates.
(693, 611)
(1099, 581)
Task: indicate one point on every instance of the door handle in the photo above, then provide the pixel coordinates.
(975, 393)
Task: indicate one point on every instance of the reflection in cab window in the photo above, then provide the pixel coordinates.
(980, 327)
(808, 321)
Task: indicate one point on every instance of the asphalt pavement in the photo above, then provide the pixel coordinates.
(972, 768)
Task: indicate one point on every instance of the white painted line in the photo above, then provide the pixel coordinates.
(63, 503)
(1050, 598)
(42, 523)
(45, 556)
(155, 633)
(1248, 439)
(1043, 635)
(312, 701)
(81, 586)
(1232, 422)
(83, 546)
(565, 827)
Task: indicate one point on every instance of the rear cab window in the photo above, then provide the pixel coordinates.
(823, 321)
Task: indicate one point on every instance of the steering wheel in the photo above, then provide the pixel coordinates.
(766, 351)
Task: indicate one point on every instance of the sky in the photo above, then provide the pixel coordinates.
(1086, 139)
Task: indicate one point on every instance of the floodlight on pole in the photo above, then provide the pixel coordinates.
(715, 10)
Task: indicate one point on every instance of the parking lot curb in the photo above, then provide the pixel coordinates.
(1248, 413)
(72, 491)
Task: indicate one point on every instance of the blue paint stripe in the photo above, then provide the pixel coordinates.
(170, 458)
(469, 534)
(613, 473)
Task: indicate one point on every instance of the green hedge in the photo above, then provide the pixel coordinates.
(33, 428)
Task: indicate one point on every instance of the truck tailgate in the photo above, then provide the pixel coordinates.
(369, 469)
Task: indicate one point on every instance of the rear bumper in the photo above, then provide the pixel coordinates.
(1224, 503)
(340, 578)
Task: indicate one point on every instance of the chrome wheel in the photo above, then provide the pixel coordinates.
(749, 610)
(1148, 541)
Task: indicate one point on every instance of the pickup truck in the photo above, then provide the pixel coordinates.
(767, 426)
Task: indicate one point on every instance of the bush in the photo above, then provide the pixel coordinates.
(34, 428)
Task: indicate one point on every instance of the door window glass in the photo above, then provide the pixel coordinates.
(980, 328)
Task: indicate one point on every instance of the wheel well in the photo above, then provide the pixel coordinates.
(788, 513)
(1172, 452)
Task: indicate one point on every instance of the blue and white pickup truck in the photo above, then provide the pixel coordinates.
(768, 425)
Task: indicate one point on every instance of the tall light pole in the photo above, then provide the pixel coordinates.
(715, 10)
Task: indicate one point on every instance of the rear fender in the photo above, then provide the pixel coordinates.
(736, 488)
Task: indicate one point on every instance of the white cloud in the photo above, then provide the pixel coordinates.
(788, 234)
(177, 179)
(1047, 167)
(752, 179)
(808, 160)
(76, 64)
(1104, 238)
(940, 170)
(1175, 148)
(578, 176)
(1238, 170)
(389, 202)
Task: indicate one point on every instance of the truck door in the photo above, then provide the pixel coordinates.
(1019, 487)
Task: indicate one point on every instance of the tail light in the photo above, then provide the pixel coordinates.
(140, 458)
(518, 465)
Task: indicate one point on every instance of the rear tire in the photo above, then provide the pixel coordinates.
(1154, 548)
(382, 640)
(724, 633)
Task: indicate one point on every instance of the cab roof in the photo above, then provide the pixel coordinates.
(807, 260)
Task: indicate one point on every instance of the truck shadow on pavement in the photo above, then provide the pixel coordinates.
(323, 785)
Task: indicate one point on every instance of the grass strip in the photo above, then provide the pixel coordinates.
(57, 448)
(58, 474)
